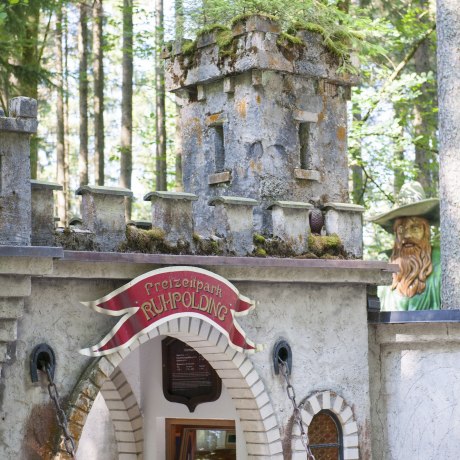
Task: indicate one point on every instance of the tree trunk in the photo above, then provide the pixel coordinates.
(421, 121)
(448, 20)
(66, 114)
(28, 86)
(98, 74)
(83, 92)
(179, 35)
(126, 162)
(60, 144)
(160, 100)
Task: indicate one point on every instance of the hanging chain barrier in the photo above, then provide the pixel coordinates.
(284, 369)
(69, 443)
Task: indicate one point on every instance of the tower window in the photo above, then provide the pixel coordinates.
(219, 147)
(325, 436)
(305, 149)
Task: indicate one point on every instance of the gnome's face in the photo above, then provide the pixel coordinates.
(412, 251)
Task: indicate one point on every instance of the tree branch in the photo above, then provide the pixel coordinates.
(398, 70)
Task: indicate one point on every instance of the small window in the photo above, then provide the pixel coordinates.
(325, 436)
(219, 148)
(304, 141)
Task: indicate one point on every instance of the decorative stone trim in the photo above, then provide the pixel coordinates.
(219, 178)
(103, 213)
(345, 220)
(307, 174)
(304, 116)
(291, 224)
(233, 220)
(126, 416)
(252, 402)
(330, 401)
(43, 212)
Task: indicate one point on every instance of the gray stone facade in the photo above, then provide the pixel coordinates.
(268, 123)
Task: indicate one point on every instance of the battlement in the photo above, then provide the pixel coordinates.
(264, 130)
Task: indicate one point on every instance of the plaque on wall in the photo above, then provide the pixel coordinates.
(187, 377)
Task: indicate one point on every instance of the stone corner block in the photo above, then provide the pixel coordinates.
(103, 213)
(234, 222)
(23, 107)
(173, 212)
(345, 220)
(290, 222)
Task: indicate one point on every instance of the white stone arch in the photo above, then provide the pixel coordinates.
(125, 414)
(332, 402)
(243, 383)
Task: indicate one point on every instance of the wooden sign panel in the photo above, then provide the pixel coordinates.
(187, 377)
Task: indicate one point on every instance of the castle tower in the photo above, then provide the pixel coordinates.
(263, 117)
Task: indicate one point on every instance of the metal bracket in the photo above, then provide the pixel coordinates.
(282, 351)
(42, 355)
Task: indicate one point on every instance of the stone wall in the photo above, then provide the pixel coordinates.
(414, 390)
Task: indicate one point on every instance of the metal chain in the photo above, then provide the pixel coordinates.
(297, 408)
(69, 443)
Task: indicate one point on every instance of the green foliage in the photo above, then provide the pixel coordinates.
(342, 33)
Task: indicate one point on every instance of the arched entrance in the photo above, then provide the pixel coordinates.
(236, 370)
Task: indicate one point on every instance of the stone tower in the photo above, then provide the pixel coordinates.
(262, 117)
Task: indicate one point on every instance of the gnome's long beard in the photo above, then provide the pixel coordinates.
(414, 267)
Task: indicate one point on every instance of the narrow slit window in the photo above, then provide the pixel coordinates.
(305, 149)
(325, 436)
(219, 147)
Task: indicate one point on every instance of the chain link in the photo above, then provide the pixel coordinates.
(297, 408)
(69, 443)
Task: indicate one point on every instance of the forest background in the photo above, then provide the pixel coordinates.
(95, 68)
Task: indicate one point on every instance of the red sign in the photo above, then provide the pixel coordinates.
(162, 295)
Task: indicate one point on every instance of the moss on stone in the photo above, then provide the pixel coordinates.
(189, 47)
(211, 28)
(151, 242)
(288, 39)
(329, 246)
(260, 252)
(245, 16)
(258, 239)
(72, 240)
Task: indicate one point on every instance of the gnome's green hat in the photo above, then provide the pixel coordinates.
(411, 202)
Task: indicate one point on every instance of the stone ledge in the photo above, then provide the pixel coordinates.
(170, 196)
(349, 207)
(41, 184)
(232, 200)
(422, 316)
(307, 174)
(32, 251)
(102, 190)
(291, 205)
(18, 125)
(219, 178)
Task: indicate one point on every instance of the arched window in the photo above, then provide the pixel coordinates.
(325, 436)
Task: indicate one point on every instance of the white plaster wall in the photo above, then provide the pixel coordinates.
(416, 409)
(326, 327)
(97, 440)
(156, 408)
(54, 315)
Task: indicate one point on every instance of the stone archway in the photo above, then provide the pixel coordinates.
(252, 402)
(125, 414)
